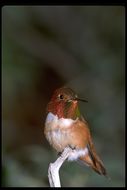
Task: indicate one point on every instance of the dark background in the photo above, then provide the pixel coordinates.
(46, 47)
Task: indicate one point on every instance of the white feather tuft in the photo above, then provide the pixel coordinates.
(77, 153)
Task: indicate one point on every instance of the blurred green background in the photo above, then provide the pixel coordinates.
(46, 47)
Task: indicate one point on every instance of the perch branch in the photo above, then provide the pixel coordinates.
(53, 171)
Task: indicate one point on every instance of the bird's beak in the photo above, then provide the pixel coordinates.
(80, 99)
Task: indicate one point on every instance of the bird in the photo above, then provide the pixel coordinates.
(66, 127)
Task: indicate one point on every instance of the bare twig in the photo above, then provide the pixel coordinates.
(53, 171)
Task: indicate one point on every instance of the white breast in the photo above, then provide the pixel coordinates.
(55, 121)
(57, 134)
(56, 131)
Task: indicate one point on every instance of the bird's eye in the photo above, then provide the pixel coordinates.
(61, 96)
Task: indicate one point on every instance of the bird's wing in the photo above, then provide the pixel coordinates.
(91, 159)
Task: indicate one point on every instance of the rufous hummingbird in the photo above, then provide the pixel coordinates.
(65, 126)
